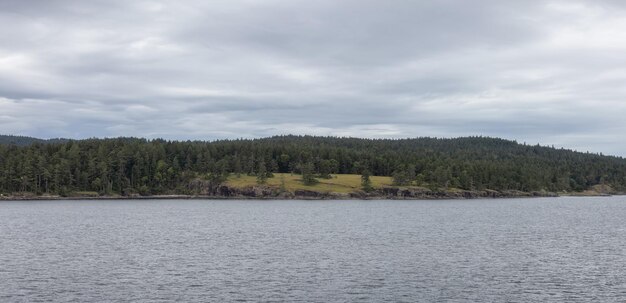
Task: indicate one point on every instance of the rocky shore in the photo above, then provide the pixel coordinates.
(271, 193)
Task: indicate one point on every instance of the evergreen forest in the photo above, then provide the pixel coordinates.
(124, 166)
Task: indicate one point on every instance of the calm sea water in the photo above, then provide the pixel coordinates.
(518, 250)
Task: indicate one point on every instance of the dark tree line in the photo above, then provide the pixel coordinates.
(24, 141)
(131, 165)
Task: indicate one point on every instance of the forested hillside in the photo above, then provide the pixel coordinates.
(24, 141)
(129, 165)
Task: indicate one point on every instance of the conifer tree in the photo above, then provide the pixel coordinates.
(366, 183)
(308, 176)
(261, 174)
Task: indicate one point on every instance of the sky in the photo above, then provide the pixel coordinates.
(548, 72)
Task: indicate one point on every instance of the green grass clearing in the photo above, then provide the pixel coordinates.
(337, 184)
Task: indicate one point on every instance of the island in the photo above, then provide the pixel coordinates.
(300, 167)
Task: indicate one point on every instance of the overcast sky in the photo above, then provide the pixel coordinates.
(549, 72)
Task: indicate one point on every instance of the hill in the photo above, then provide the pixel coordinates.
(130, 166)
(25, 141)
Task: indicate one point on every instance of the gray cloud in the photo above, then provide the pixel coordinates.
(549, 72)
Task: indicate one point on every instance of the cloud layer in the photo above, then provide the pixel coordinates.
(549, 72)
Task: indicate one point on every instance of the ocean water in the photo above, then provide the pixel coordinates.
(512, 250)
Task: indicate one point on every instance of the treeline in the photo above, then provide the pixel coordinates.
(24, 141)
(130, 165)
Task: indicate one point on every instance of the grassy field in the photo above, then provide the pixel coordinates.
(337, 184)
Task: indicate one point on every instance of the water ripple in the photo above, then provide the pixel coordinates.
(518, 250)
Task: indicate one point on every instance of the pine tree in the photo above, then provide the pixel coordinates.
(261, 174)
(237, 167)
(308, 176)
(325, 169)
(366, 183)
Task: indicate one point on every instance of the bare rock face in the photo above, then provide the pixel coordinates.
(307, 193)
(358, 195)
(285, 195)
(245, 192)
(225, 191)
(264, 192)
(424, 194)
(390, 191)
(310, 194)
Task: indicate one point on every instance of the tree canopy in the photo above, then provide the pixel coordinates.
(132, 165)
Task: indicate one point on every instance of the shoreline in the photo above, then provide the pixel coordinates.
(296, 198)
(264, 192)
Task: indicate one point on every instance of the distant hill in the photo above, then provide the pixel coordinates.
(25, 141)
(134, 165)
